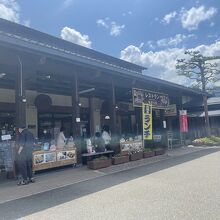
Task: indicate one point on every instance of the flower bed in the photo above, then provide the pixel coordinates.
(118, 159)
(136, 156)
(99, 163)
(148, 153)
(159, 151)
(208, 141)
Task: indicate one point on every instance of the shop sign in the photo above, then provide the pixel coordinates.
(157, 100)
(6, 137)
(183, 121)
(157, 137)
(147, 121)
(171, 110)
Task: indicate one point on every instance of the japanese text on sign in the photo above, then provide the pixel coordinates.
(147, 121)
(157, 100)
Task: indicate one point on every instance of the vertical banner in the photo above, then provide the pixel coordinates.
(183, 121)
(147, 121)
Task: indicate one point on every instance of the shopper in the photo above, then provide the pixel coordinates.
(61, 139)
(99, 143)
(106, 135)
(24, 155)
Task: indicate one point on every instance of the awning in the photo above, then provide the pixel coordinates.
(212, 113)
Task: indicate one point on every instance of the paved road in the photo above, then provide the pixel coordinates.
(186, 187)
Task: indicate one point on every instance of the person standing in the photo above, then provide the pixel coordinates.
(106, 136)
(61, 139)
(24, 155)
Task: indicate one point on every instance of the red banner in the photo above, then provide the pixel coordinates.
(183, 121)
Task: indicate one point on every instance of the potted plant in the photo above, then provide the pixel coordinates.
(136, 155)
(148, 153)
(119, 158)
(99, 163)
(159, 151)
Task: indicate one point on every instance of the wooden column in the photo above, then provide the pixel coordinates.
(91, 114)
(75, 107)
(20, 94)
(112, 108)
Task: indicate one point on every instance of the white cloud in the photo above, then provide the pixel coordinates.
(150, 44)
(101, 22)
(191, 18)
(127, 13)
(174, 41)
(70, 34)
(114, 28)
(27, 23)
(212, 24)
(10, 10)
(162, 64)
(67, 3)
(167, 18)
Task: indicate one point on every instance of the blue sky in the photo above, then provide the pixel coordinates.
(152, 33)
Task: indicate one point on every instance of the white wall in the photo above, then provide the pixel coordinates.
(7, 95)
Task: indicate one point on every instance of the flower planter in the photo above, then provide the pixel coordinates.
(159, 152)
(148, 154)
(98, 164)
(136, 156)
(119, 160)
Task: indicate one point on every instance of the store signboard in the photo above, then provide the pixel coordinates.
(66, 155)
(157, 137)
(46, 157)
(6, 137)
(147, 121)
(183, 121)
(157, 100)
(171, 110)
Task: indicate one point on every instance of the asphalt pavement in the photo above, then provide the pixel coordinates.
(182, 187)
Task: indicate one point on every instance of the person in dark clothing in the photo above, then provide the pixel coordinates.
(99, 142)
(24, 156)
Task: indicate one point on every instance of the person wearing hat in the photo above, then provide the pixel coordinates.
(24, 155)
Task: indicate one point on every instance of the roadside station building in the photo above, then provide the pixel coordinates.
(47, 83)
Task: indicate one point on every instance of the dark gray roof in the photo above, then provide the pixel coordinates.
(34, 36)
(212, 113)
(18, 35)
(199, 103)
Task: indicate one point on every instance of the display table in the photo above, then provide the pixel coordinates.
(50, 159)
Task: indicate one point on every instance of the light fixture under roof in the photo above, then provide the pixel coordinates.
(107, 117)
(48, 76)
(2, 75)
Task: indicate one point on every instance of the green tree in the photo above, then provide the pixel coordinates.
(204, 71)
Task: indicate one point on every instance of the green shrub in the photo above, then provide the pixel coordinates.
(148, 150)
(101, 158)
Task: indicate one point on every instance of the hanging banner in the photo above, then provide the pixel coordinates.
(147, 121)
(157, 100)
(183, 121)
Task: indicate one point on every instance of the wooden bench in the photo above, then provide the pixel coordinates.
(90, 156)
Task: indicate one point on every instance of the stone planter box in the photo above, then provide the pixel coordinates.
(136, 156)
(148, 154)
(98, 164)
(119, 160)
(159, 152)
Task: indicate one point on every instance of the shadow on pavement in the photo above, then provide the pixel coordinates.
(32, 204)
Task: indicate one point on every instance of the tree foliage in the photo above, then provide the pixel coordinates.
(200, 68)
